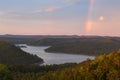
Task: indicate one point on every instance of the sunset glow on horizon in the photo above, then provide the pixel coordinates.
(60, 17)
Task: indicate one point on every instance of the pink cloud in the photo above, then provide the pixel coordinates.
(73, 2)
(48, 9)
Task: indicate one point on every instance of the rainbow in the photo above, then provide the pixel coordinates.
(88, 24)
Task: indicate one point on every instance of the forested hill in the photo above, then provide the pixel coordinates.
(10, 54)
(104, 67)
(27, 39)
(87, 46)
(50, 41)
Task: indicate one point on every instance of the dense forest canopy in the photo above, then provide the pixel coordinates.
(10, 54)
(104, 67)
(5, 74)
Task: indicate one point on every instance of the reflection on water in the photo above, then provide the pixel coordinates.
(55, 58)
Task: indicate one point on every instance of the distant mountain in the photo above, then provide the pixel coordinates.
(85, 45)
(90, 45)
(10, 54)
(49, 41)
(52, 41)
(34, 39)
(27, 39)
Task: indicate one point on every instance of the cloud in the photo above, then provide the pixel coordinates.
(52, 9)
(10, 13)
(73, 2)
(56, 8)
(48, 9)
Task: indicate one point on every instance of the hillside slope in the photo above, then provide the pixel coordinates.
(86, 46)
(52, 41)
(105, 67)
(10, 54)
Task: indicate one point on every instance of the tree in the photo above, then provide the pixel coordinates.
(5, 73)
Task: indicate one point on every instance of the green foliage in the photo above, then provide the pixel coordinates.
(9, 54)
(5, 73)
(33, 72)
(106, 67)
(37, 68)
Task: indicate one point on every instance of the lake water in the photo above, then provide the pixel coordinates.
(55, 58)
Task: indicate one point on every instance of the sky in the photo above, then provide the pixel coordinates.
(60, 17)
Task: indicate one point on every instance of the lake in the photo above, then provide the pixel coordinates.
(54, 58)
